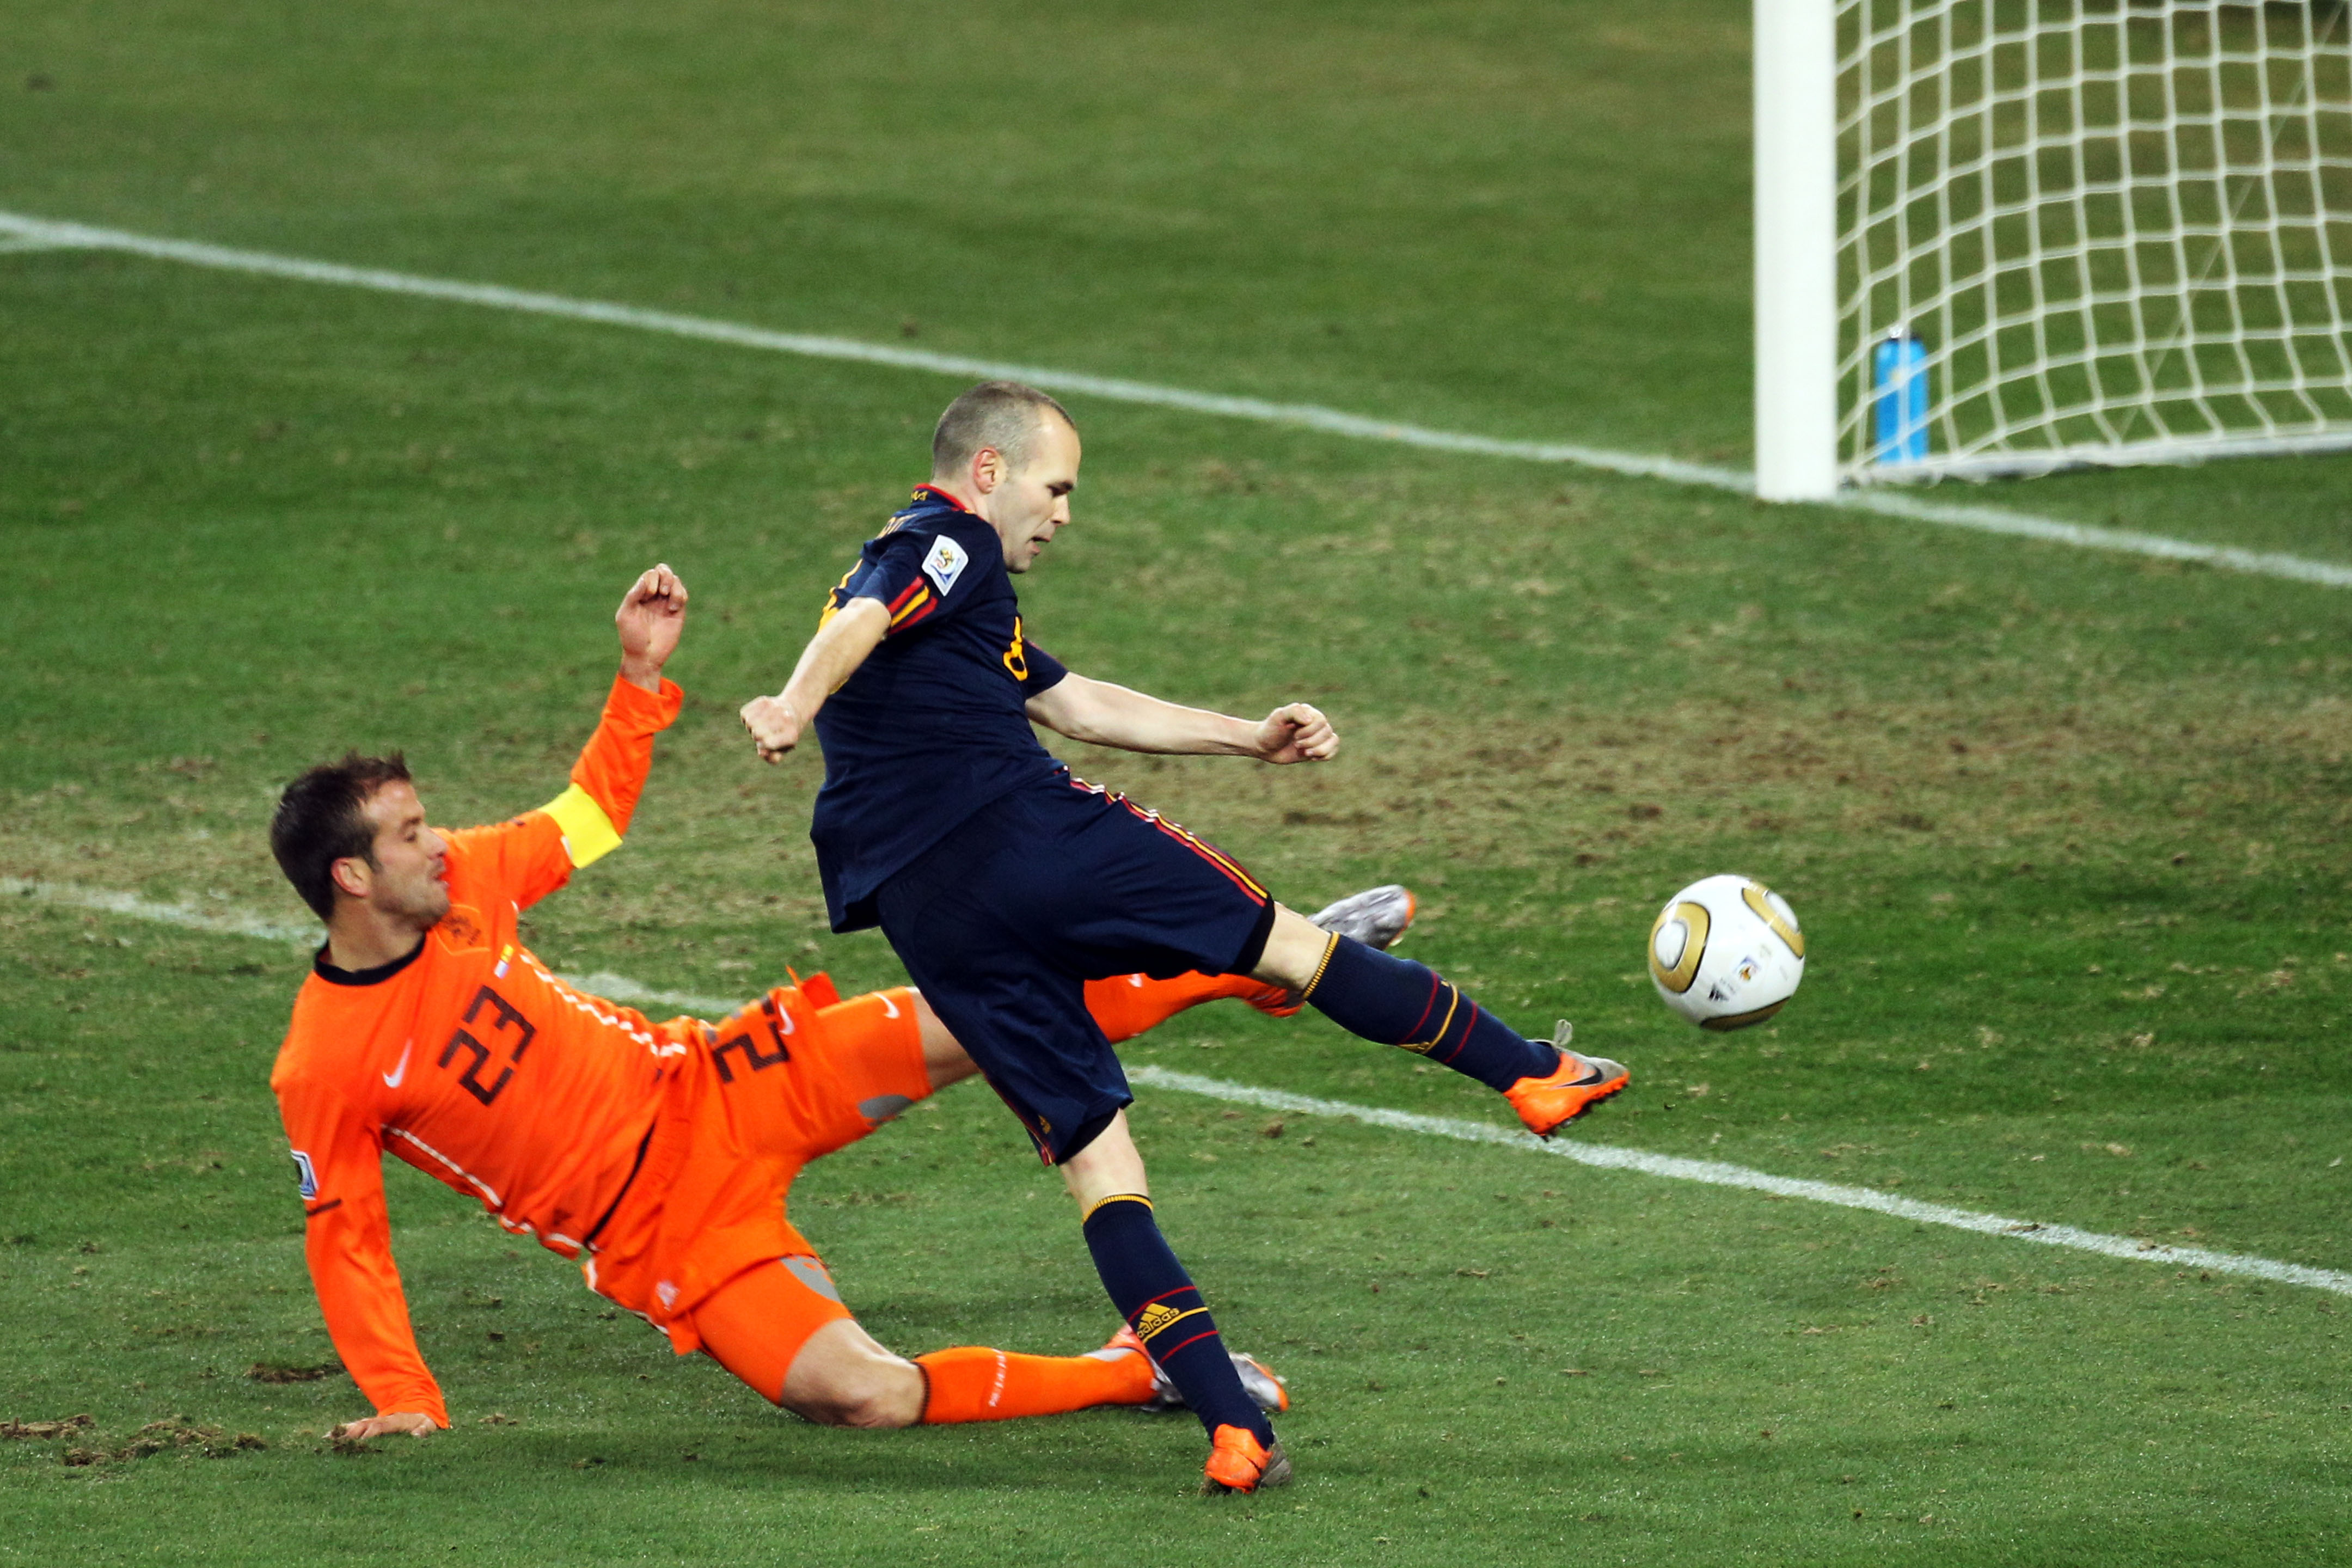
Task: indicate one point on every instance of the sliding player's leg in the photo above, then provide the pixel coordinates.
(782, 1327)
(1131, 1004)
(783, 1330)
(1400, 1003)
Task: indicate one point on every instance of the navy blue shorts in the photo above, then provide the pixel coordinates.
(1002, 923)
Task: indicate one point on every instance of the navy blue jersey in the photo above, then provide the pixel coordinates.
(933, 726)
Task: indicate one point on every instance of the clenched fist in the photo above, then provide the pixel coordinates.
(1297, 733)
(776, 728)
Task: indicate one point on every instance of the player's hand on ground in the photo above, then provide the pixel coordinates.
(650, 619)
(415, 1423)
(1298, 734)
(776, 728)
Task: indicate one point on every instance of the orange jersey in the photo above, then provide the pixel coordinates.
(473, 1063)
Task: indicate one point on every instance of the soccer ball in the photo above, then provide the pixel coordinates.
(1725, 952)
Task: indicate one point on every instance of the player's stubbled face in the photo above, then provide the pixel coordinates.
(1034, 505)
(412, 862)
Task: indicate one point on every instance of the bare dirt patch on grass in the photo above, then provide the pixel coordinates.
(2199, 771)
(1980, 776)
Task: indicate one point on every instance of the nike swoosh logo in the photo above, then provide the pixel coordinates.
(392, 1079)
(890, 1006)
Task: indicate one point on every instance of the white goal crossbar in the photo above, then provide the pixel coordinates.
(1999, 237)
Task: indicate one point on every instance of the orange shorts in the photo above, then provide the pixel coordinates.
(755, 1324)
(755, 1097)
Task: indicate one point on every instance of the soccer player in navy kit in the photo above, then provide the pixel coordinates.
(1005, 884)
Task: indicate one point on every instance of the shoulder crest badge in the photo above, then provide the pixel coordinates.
(945, 563)
(461, 931)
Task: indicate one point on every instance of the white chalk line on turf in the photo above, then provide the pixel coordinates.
(1604, 1156)
(1715, 1173)
(33, 242)
(48, 233)
(232, 922)
(220, 921)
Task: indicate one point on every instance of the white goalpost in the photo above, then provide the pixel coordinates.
(2004, 236)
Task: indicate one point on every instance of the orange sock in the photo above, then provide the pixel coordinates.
(973, 1383)
(1130, 1004)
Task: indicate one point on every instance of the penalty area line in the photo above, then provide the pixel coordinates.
(1604, 1156)
(22, 232)
(1715, 1173)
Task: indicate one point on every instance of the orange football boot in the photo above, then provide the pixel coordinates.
(1239, 1463)
(1580, 1082)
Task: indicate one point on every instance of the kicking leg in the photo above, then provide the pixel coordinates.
(1400, 1003)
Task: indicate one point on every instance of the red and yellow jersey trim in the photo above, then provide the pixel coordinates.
(915, 602)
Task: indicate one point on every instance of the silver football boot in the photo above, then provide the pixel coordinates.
(1270, 1393)
(1375, 917)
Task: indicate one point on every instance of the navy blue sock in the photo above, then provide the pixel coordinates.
(1156, 1297)
(1400, 1003)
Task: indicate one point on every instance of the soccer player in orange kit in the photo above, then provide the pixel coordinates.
(655, 1153)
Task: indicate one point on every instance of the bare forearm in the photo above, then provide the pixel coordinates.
(642, 673)
(832, 657)
(1106, 715)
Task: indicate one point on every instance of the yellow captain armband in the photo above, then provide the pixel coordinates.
(588, 833)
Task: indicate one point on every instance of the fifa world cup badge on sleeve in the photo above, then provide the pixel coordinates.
(945, 563)
(304, 1176)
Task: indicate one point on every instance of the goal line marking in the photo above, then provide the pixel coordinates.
(19, 231)
(1604, 1156)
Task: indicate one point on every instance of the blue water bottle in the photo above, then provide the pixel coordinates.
(1899, 373)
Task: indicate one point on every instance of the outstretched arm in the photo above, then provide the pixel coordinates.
(536, 853)
(832, 657)
(1107, 715)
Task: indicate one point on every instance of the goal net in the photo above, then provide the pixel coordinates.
(2102, 231)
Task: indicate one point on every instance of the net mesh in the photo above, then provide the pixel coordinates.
(2122, 231)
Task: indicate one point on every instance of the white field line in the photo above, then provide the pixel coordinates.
(31, 242)
(232, 922)
(190, 917)
(46, 234)
(1715, 1173)
(620, 988)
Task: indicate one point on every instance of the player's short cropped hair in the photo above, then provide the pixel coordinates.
(322, 819)
(1004, 415)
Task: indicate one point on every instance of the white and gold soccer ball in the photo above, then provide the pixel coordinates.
(1725, 952)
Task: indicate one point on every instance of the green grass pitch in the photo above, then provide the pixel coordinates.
(2067, 830)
